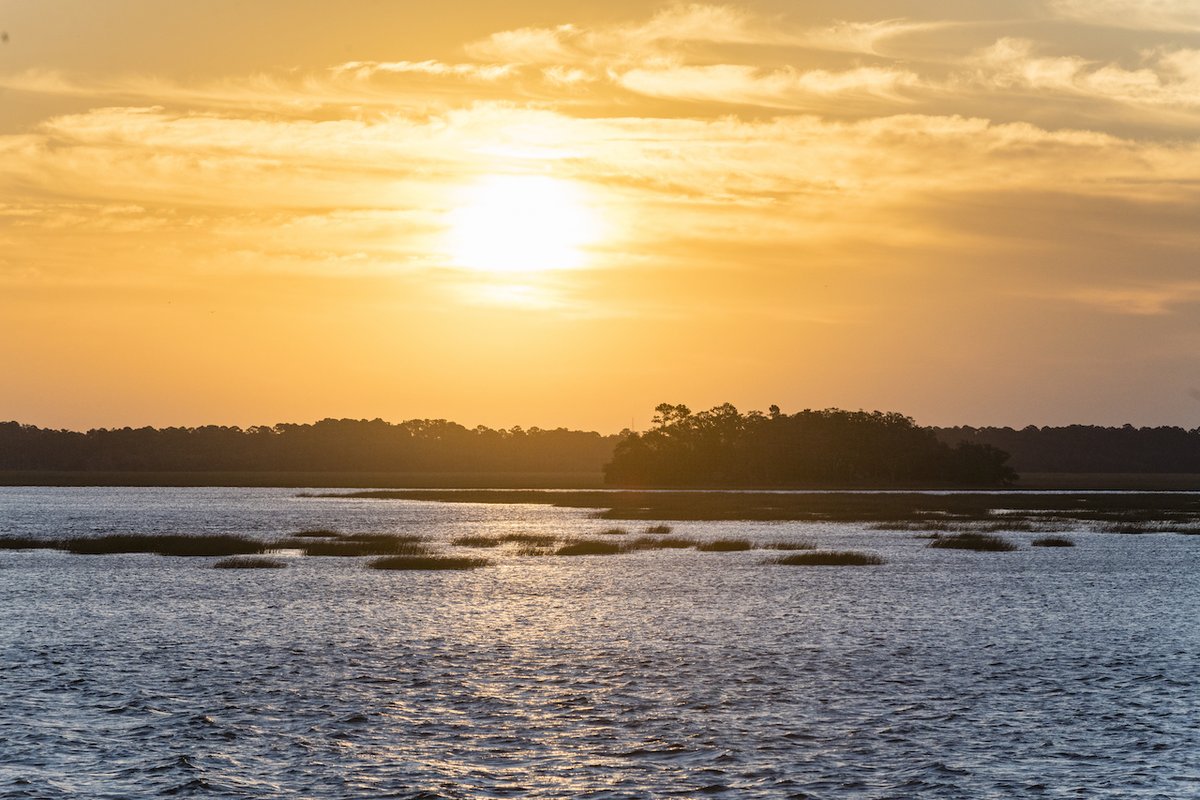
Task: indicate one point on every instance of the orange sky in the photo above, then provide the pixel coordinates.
(564, 213)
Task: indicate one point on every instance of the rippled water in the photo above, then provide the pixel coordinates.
(942, 674)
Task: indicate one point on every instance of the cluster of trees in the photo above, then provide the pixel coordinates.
(719, 447)
(722, 447)
(1088, 448)
(329, 445)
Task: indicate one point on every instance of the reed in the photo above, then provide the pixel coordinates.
(829, 558)
(165, 545)
(724, 546)
(244, 562)
(659, 543)
(411, 562)
(982, 542)
(1052, 541)
(476, 541)
(589, 547)
(27, 543)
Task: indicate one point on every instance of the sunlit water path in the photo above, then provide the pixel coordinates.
(943, 674)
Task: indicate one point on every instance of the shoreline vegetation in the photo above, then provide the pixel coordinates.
(316, 479)
(718, 448)
(1131, 512)
(389, 551)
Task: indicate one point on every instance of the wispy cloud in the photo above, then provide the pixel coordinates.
(785, 88)
(1167, 15)
(369, 69)
(1168, 78)
(1144, 300)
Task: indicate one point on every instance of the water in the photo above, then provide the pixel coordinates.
(943, 674)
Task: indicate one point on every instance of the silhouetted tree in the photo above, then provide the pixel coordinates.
(722, 447)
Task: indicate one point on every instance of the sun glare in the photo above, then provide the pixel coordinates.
(521, 223)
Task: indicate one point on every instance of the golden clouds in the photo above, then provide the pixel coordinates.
(805, 172)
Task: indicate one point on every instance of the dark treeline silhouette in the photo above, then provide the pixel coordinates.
(329, 445)
(722, 447)
(1088, 448)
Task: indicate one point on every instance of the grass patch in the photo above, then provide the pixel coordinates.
(973, 541)
(476, 541)
(724, 546)
(659, 529)
(924, 511)
(26, 543)
(614, 532)
(534, 550)
(660, 543)
(165, 545)
(533, 539)
(1130, 526)
(829, 558)
(912, 525)
(790, 546)
(249, 562)
(1052, 541)
(317, 533)
(589, 547)
(381, 537)
(411, 562)
(1008, 525)
(370, 545)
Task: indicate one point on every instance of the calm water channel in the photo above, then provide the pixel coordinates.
(1041, 673)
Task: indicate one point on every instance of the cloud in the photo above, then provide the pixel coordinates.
(785, 88)
(864, 37)
(1167, 15)
(631, 42)
(363, 70)
(1170, 79)
(1152, 300)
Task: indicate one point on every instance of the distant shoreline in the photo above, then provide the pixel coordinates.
(526, 480)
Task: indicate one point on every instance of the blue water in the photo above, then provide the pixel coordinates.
(944, 674)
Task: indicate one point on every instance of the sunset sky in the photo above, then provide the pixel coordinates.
(563, 213)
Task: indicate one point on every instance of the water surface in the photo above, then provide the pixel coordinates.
(942, 674)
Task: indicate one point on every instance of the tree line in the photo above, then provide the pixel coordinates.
(1088, 448)
(723, 447)
(718, 447)
(334, 445)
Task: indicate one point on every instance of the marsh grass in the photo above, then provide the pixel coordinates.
(912, 525)
(1015, 524)
(427, 562)
(534, 550)
(589, 547)
(372, 545)
(982, 542)
(724, 546)
(165, 545)
(318, 533)
(829, 558)
(789, 546)
(250, 562)
(476, 541)
(659, 543)
(659, 529)
(26, 543)
(1052, 541)
(614, 532)
(532, 539)
(922, 510)
(1131, 526)
(381, 537)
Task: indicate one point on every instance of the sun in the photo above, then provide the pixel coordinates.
(521, 223)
